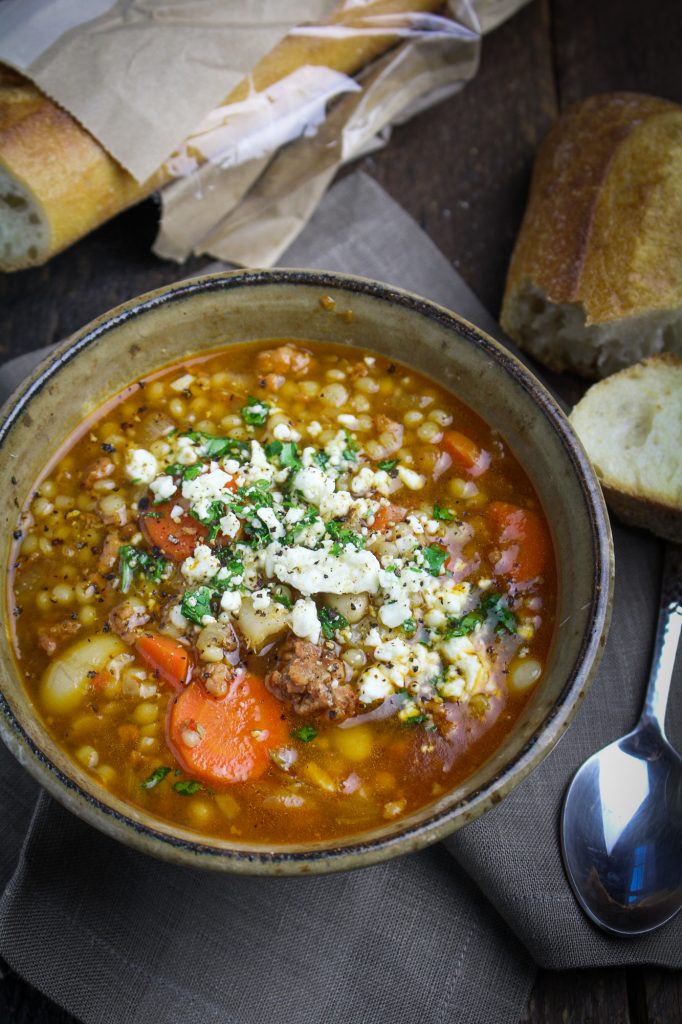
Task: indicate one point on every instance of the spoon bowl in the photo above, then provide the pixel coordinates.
(621, 827)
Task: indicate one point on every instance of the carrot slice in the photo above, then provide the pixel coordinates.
(166, 656)
(229, 737)
(465, 453)
(522, 537)
(176, 540)
(387, 516)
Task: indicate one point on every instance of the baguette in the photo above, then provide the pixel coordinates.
(57, 182)
(631, 427)
(595, 280)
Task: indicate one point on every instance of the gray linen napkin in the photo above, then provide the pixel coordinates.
(114, 936)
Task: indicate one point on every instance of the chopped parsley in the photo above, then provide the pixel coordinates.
(307, 520)
(132, 560)
(409, 626)
(196, 604)
(187, 787)
(435, 557)
(443, 514)
(493, 606)
(343, 536)
(214, 513)
(255, 412)
(281, 597)
(186, 472)
(217, 447)
(321, 459)
(157, 776)
(350, 452)
(286, 453)
(331, 620)
(306, 733)
(388, 464)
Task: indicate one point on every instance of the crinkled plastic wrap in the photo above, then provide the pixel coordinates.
(249, 178)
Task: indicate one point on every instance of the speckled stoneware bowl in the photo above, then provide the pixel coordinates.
(168, 324)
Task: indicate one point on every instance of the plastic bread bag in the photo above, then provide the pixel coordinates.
(248, 177)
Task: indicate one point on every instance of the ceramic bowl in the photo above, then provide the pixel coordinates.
(208, 312)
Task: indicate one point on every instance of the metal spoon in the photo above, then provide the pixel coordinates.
(621, 828)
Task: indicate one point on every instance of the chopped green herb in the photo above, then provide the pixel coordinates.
(331, 620)
(494, 604)
(350, 452)
(388, 464)
(342, 535)
(272, 448)
(465, 625)
(214, 513)
(321, 459)
(157, 776)
(414, 719)
(306, 733)
(435, 557)
(196, 604)
(217, 447)
(308, 519)
(289, 456)
(255, 412)
(409, 626)
(280, 597)
(132, 560)
(187, 787)
(186, 472)
(444, 514)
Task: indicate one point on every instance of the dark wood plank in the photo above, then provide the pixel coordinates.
(580, 997)
(610, 45)
(462, 169)
(662, 994)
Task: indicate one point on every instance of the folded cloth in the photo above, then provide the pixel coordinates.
(449, 934)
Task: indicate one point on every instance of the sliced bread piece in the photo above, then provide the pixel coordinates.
(631, 427)
(595, 281)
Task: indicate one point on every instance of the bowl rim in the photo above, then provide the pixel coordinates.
(345, 855)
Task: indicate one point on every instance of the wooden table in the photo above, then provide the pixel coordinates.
(462, 171)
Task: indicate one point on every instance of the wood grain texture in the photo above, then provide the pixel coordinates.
(462, 171)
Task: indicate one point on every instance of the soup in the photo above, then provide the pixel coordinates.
(283, 592)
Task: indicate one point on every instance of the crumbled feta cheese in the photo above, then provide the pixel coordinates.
(258, 467)
(204, 489)
(182, 383)
(294, 515)
(315, 572)
(230, 525)
(363, 481)
(176, 618)
(415, 525)
(304, 620)
(267, 516)
(394, 613)
(176, 513)
(231, 466)
(314, 428)
(415, 481)
(163, 487)
(231, 601)
(185, 451)
(200, 567)
(464, 664)
(141, 466)
(282, 432)
(374, 685)
(261, 599)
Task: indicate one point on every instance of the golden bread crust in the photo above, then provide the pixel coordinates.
(603, 225)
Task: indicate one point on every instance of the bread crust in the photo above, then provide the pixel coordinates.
(603, 225)
(76, 185)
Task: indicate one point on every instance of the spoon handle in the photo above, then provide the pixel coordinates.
(667, 637)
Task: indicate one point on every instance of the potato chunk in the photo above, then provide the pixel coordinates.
(65, 682)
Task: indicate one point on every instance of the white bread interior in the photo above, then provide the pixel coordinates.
(558, 335)
(631, 427)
